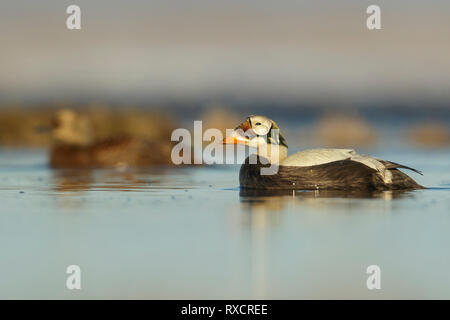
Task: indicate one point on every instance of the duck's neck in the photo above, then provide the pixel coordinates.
(274, 153)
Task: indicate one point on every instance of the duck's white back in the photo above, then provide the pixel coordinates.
(316, 157)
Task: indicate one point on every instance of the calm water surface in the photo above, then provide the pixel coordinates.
(191, 233)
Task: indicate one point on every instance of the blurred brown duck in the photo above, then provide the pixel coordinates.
(331, 169)
(73, 146)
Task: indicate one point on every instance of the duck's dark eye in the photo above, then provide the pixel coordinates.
(258, 124)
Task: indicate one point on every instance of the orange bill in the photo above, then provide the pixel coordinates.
(235, 138)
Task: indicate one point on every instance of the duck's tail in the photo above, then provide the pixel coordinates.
(393, 165)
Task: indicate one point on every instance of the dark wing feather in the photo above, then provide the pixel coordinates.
(392, 165)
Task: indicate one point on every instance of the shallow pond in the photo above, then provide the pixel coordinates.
(190, 233)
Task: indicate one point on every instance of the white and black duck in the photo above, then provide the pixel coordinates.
(316, 169)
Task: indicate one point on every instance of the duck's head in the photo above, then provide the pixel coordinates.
(70, 127)
(261, 133)
(256, 131)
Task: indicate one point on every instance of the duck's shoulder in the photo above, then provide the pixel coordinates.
(313, 157)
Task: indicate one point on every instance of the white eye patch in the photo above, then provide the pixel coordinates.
(261, 126)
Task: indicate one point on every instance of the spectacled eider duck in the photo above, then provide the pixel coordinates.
(330, 169)
(73, 146)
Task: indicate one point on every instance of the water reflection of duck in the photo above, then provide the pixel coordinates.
(79, 180)
(255, 195)
(329, 169)
(74, 146)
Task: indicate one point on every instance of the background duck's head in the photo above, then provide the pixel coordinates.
(262, 133)
(70, 127)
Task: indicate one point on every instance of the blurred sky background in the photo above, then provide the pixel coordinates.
(240, 52)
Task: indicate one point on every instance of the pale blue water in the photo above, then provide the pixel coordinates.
(187, 233)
